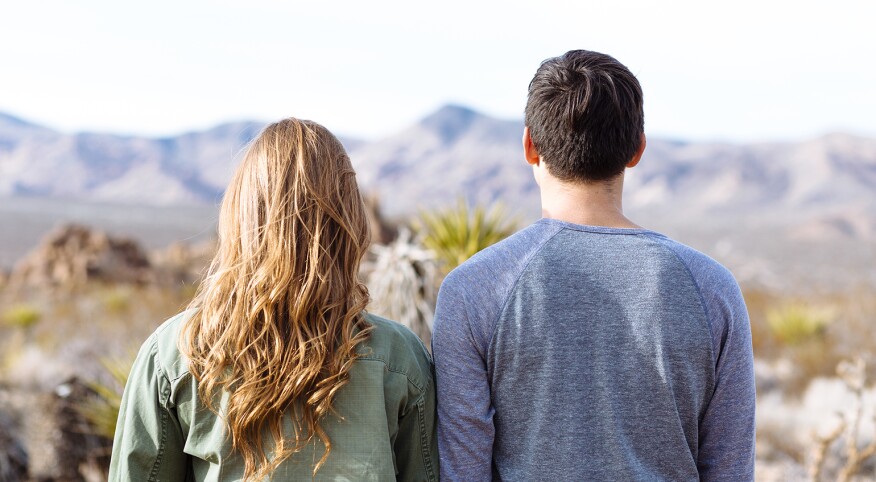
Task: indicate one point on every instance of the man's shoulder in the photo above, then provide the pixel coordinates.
(706, 272)
(720, 294)
(501, 261)
(472, 295)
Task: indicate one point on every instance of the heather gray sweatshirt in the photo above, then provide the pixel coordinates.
(571, 352)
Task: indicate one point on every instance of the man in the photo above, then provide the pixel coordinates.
(585, 347)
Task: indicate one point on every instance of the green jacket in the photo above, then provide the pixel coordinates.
(386, 428)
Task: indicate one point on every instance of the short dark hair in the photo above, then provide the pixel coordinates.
(585, 116)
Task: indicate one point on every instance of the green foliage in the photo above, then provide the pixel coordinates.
(797, 323)
(456, 234)
(21, 315)
(102, 410)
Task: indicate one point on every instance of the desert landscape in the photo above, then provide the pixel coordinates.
(102, 237)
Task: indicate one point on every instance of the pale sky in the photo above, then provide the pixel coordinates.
(739, 71)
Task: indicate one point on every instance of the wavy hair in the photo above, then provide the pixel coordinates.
(277, 319)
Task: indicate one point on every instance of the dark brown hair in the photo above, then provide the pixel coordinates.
(585, 116)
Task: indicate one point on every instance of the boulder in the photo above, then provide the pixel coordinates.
(46, 438)
(74, 254)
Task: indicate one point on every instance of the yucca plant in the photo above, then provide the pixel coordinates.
(456, 234)
(102, 410)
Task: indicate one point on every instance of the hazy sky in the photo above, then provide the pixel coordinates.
(739, 70)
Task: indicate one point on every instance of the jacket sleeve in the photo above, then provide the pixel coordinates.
(148, 443)
(416, 445)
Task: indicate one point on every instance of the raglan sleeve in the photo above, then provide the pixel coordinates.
(727, 429)
(148, 442)
(465, 411)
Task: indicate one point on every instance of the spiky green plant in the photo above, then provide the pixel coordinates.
(102, 410)
(796, 323)
(456, 234)
(21, 315)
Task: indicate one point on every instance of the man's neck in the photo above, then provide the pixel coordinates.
(593, 204)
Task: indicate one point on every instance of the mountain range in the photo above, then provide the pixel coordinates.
(810, 191)
(453, 152)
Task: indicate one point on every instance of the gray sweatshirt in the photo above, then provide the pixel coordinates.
(571, 352)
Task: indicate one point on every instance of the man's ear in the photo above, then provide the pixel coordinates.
(638, 156)
(530, 152)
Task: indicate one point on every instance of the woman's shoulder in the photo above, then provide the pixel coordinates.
(391, 336)
(389, 342)
(163, 345)
(398, 347)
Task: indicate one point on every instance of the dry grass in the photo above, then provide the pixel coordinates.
(21, 315)
(102, 411)
(813, 334)
(800, 341)
(75, 330)
(797, 323)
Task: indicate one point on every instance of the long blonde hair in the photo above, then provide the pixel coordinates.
(278, 317)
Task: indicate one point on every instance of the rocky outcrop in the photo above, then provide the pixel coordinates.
(73, 255)
(44, 437)
(182, 263)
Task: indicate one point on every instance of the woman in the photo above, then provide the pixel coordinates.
(275, 371)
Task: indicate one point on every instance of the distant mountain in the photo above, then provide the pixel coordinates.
(776, 213)
(822, 185)
(791, 179)
(454, 152)
(189, 168)
(828, 181)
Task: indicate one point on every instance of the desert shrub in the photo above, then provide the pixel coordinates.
(810, 360)
(117, 300)
(21, 315)
(402, 278)
(812, 334)
(102, 411)
(797, 323)
(851, 456)
(803, 335)
(456, 234)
